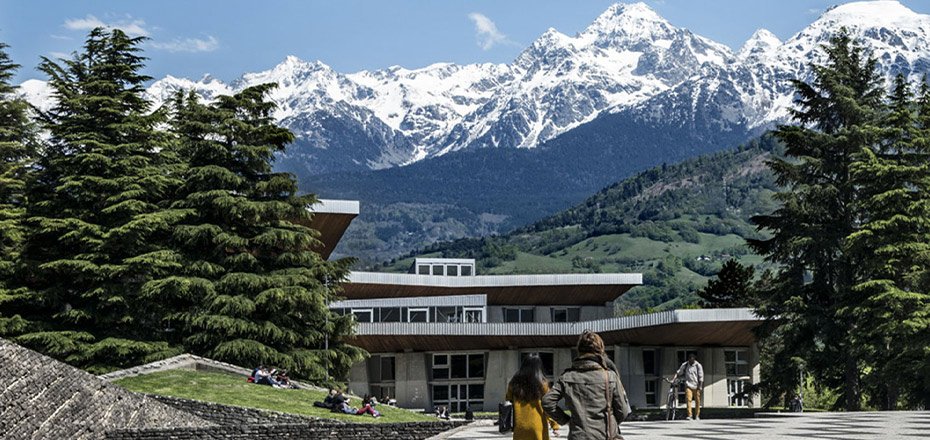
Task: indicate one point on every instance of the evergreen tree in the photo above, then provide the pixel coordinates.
(16, 142)
(93, 210)
(893, 247)
(253, 289)
(731, 288)
(812, 294)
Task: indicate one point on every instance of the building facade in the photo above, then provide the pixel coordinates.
(442, 334)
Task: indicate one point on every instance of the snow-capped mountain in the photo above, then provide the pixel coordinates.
(629, 60)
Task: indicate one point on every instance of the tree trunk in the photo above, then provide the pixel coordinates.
(852, 384)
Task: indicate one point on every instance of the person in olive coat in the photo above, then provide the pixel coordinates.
(592, 391)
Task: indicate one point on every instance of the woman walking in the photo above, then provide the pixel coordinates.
(525, 389)
(592, 392)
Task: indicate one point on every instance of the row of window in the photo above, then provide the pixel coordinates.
(457, 366)
(417, 314)
(528, 314)
(449, 270)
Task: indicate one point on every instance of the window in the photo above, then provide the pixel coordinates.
(650, 363)
(473, 315)
(737, 392)
(547, 358)
(452, 271)
(458, 366)
(423, 269)
(382, 392)
(458, 397)
(736, 362)
(437, 269)
(518, 315)
(571, 314)
(440, 366)
(652, 391)
(390, 314)
(417, 315)
(466, 271)
(446, 314)
(363, 315)
(381, 369)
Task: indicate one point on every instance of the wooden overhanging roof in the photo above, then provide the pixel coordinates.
(707, 327)
(332, 218)
(567, 289)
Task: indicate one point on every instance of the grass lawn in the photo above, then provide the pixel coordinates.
(234, 390)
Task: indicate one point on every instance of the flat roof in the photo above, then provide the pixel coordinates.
(332, 218)
(702, 327)
(438, 260)
(417, 301)
(543, 289)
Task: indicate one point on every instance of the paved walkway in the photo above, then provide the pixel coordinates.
(826, 426)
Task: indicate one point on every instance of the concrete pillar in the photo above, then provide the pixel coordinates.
(561, 361)
(358, 378)
(543, 314)
(495, 314)
(411, 380)
(502, 365)
(755, 372)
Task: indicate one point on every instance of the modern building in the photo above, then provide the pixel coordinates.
(442, 334)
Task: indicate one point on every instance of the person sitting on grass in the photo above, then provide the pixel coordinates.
(368, 408)
(264, 377)
(327, 401)
(442, 412)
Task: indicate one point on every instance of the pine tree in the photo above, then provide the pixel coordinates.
(94, 209)
(253, 290)
(731, 288)
(893, 247)
(16, 143)
(812, 294)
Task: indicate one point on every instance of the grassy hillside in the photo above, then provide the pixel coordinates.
(234, 390)
(676, 224)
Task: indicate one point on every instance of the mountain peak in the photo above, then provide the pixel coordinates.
(760, 43)
(630, 19)
(873, 13)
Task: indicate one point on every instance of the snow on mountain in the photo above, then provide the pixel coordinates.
(629, 59)
(760, 45)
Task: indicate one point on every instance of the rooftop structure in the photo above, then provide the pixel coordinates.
(332, 218)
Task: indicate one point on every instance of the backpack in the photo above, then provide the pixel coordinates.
(505, 417)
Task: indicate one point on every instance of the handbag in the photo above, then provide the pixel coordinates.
(613, 431)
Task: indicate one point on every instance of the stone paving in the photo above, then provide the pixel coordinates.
(825, 426)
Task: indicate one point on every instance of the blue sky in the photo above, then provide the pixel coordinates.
(227, 38)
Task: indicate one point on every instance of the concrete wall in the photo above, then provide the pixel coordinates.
(413, 388)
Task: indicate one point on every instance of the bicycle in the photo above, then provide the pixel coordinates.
(671, 401)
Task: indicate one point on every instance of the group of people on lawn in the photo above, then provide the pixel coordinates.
(272, 377)
(338, 402)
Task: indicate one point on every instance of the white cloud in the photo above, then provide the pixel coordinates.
(59, 55)
(129, 25)
(486, 31)
(189, 44)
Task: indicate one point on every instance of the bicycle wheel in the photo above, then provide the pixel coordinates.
(670, 407)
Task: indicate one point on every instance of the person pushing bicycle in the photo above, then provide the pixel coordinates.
(693, 373)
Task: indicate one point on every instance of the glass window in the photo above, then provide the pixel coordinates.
(737, 392)
(437, 269)
(387, 368)
(476, 365)
(418, 315)
(423, 269)
(476, 391)
(570, 314)
(390, 314)
(440, 393)
(736, 362)
(452, 270)
(683, 356)
(652, 387)
(473, 315)
(466, 271)
(518, 315)
(459, 366)
(650, 363)
(440, 366)
(362, 315)
(446, 314)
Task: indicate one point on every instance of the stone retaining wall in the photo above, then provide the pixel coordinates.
(229, 415)
(355, 431)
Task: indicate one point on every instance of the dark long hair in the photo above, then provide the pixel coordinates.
(529, 383)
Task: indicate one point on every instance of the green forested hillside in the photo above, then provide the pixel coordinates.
(674, 223)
